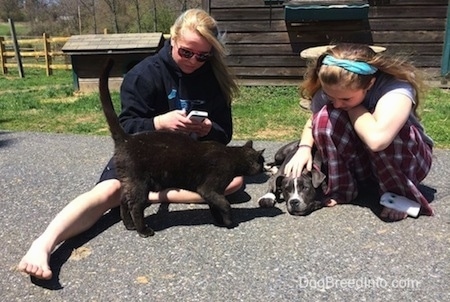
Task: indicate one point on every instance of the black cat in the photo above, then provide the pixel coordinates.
(157, 160)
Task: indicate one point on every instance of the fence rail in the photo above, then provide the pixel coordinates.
(42, 52)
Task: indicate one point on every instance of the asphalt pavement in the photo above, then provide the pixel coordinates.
(345, 253)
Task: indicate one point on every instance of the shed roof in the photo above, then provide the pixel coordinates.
(113, 43)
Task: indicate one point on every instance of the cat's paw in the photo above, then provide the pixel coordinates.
(147, 232)
(129, 224)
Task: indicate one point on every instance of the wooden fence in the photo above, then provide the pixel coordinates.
(264, 41)
(42, 52)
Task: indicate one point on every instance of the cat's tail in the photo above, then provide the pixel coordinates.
(108, 108)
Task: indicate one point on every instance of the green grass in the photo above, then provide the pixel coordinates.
(20, 27)
(49, 104)
(268, 113)
(436, 116)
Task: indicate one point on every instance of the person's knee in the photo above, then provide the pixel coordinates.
(108, 191)
(236, 184)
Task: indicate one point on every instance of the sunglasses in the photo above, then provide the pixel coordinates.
(199, 56)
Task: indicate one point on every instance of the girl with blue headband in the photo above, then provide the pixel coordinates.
(365, 124)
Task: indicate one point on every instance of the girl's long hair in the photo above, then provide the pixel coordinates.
(397, 67)
(201, 22)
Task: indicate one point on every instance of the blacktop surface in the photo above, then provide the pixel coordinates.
(345, 253)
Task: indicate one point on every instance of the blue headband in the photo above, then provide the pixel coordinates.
(357, 67)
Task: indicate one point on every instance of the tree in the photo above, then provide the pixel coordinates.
(67, 17)
(138, 15)
(88, 6)
(114, 8)
(10, 9)
(40, 16)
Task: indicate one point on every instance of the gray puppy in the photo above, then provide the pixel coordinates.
(302, 194)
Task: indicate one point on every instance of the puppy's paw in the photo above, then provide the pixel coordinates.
(267, 201)
(271, 169)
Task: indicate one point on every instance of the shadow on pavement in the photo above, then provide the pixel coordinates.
(165, 219)
(6, 142)
(64, 251)
(159, 221)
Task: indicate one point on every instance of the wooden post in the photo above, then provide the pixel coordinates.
(48, 57)
(2, 57)
(16, 48)
(445, 64)
(206, 5)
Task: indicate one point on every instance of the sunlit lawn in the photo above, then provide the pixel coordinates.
(48, 104)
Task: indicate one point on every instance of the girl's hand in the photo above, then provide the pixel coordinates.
(200, 128)
(171, 121)
(302, 158)
(176, 120)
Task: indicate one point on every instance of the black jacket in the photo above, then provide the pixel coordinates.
(156, 85)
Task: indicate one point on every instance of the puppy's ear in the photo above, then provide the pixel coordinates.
(317, 177)
(279, 181)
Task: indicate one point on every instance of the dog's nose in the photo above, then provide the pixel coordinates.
(296, 205)
(294, 202)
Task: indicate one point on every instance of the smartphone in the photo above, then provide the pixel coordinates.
(197, 115)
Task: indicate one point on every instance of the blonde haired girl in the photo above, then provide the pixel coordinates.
(187, 73)
(201, 22)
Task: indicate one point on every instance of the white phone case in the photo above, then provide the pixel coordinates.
(400, 203)
(197, 115)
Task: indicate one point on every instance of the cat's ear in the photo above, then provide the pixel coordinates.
(261, 152)
(249, 144)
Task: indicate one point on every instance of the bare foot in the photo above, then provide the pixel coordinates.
(35, 262)
(330, 202)
(392, 215)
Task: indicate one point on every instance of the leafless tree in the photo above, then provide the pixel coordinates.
(138, 15)
(67, 17)
(10, 9)
(114, 9)
(155, 19)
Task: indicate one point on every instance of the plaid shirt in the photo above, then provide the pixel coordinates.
(399, 168)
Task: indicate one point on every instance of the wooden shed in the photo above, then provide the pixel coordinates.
(88, 54)
(265, 37)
